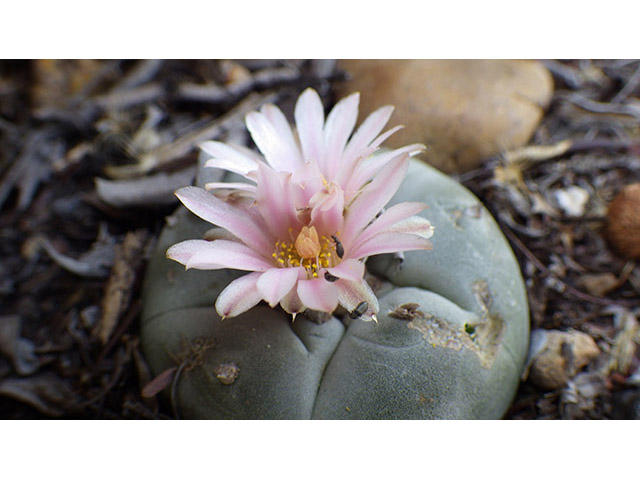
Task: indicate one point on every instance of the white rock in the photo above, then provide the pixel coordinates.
(572, 200)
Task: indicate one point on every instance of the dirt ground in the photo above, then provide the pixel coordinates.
(90, 152)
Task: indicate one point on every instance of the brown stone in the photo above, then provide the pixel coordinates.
(623, 228)
(463, 110)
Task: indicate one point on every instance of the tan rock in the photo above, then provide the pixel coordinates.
(598, 284)
(463, 110)
(559, 356)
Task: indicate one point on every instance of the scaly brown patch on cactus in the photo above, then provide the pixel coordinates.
(482, 337)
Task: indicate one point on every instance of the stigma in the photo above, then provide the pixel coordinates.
(308, 244)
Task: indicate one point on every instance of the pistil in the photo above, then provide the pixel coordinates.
(311, 251)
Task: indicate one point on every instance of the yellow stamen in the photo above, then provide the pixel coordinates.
(309, 251)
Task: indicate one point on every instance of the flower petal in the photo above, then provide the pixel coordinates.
(350, 269)
(281, 154)
(373, 197)
(274, 284)
(308, 182)
(275, 201)
(337, 130)
(183, 251)
(239, 296)
(357, 148)
(365, 134)
(414, 225)
(245, 187)
(318, 294)
(391, 216)
(233, 158)
(290, 152)
(239, 221)
(309, 116)
(367, 169)
(359, 174)
(224, 254)
(389, 243)
(291, 303)
(352, 294)
(327, 209)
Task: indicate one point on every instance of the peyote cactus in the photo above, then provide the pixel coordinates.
(449, 342)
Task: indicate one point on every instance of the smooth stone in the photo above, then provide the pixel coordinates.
(464, 111)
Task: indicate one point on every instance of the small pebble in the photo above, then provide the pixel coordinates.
(572, 200)
(555, 357)
(227, 373)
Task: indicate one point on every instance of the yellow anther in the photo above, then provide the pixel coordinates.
(309, 251)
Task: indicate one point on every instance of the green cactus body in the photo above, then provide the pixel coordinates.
(450, 342)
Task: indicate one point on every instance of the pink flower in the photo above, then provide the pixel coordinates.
(312, 213)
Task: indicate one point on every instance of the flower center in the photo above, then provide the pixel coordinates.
(310, 251)
(308, 244)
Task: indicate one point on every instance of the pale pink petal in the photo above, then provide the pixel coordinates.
(366, 157)
(382, 137)
(245, 187)
(356, 149)
(283, 156)
(183, 251)
(239, 296)
(414, 225)
(391, 216)
(291, 303)
(365, 153)
(289, 148)
(233, 158)
(274, 284)
(389, 243)
(367, 169)
(350, 269)
(309, 116)
(239, 221)
(373, 197)
(337, 129)
(275, 201)
(352, 294)
(308, 181)
(265, 137)
(365, 134)
(218, 233)
(327, 209)
(227, 254)
(318, 294)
